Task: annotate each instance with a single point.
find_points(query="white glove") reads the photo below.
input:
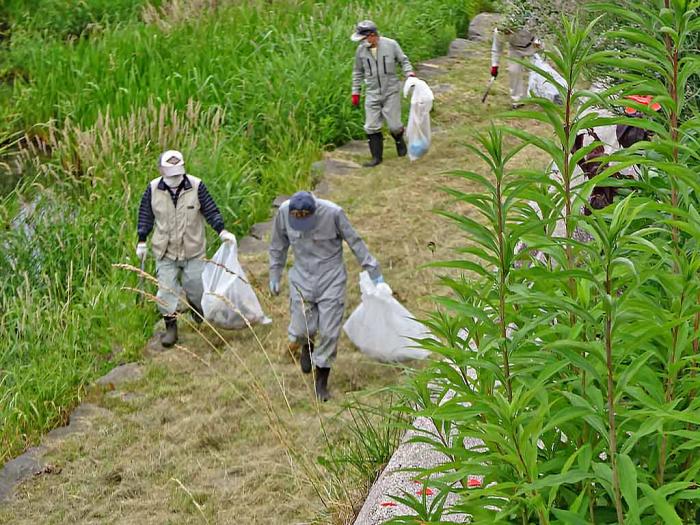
(141, 251)
(227, 236)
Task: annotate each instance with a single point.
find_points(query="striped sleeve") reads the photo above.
(209, 209)
(146, 217)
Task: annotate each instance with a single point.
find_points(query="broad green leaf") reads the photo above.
(628, 486)
(566, 517)
(663, 508)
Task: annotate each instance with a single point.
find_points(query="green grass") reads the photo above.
(251, 93)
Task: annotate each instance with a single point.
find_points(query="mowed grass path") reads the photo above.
(230, 432)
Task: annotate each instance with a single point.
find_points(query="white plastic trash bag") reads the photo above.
(382, 328)
(418, 129)
(228, 300)
(541, 87)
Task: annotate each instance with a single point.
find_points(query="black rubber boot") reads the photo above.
(169, 337)
(305, 359)
(322, 384)
(376, 148)
(401, 148)
(197, 313)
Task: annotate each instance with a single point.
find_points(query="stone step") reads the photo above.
(121, 374)
(252, 246)
(482, 25)
(280, 200)
(460, 48)
(354, 147)
(261, 230)
(331, 166)
(23, 467)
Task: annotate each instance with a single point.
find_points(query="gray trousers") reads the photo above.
(323, 315)
(518, 75)
(176, 276)
(383, 109)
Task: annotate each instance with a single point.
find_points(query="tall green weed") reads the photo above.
(571, 366)
(70, 18)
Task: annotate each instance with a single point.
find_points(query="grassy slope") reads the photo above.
(63, 313)
(199, 419)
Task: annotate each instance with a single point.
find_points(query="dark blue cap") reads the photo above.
(302, 211)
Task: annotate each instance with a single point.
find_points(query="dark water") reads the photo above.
(10, 174)
(8, 181)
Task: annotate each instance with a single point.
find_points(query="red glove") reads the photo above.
(411, 74)
(494, 71)
(355, 99)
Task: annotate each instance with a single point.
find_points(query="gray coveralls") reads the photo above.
(317, 278)
(382, 84)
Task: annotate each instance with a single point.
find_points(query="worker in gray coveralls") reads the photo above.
(376, 61)
(315, 229)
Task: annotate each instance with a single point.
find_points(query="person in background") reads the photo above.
(520, 20)
(377, 60)
(315, 229)
(522, 44)
(176, 205)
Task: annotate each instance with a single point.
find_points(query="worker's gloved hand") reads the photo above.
(227, 236)
(355, 99)
(494, 71)
(141, 251)
(411, 74)
(274, 287)
(378, 279)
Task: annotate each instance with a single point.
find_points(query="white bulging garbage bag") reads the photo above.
(418, 129)
(382, 328)
(541, 87)
(228, 300)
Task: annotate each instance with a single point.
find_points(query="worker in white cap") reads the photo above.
(175, 206)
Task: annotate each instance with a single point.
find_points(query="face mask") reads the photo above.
(172, 181)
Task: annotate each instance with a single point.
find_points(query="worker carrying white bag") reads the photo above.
(229, 301)
(541, 87)
(381, 327)
(418, 129)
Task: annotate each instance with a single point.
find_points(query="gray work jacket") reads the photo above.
(522, 43)
(380, 74)
(318, 253)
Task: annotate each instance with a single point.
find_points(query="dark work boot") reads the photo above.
(401, 148)
(169, 337)
(197, 313)
(322, 384)
(305, 360)
(376, 148)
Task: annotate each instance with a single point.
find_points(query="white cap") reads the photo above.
(171, 163)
